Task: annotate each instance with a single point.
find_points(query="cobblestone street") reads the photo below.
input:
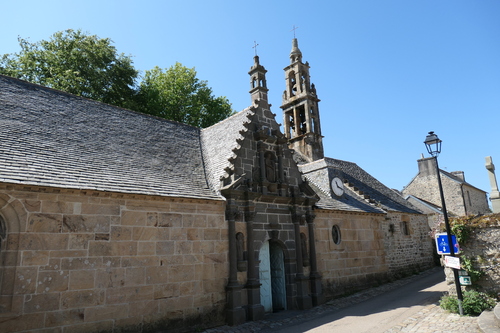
(434, 319)
(430, 319)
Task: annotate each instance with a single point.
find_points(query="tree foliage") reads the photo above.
(89, 66)
(77, 63)
(177, 94)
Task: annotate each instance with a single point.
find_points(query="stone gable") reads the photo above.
(461, 197)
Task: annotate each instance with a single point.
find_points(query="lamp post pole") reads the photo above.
(433, 145)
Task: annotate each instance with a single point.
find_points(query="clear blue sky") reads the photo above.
(386, 71)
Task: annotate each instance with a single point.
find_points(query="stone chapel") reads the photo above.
(112, 220)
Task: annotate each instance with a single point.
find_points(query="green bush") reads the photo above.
(468, 264)
(473, 304)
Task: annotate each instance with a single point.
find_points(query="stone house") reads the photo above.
(111, 220)
(461, 197)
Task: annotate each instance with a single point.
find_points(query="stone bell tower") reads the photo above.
(300, 110)
(258, 85)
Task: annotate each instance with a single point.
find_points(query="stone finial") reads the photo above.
(295, 54)
(494, 195)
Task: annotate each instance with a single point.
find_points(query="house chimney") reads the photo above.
(459, 174)
(427, 166)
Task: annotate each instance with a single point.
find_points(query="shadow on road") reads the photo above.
(379, 311)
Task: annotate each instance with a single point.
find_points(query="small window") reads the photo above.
(405, 230)
(336, 237)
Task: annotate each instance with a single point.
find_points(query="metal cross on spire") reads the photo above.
(294, 28)
(255, 47)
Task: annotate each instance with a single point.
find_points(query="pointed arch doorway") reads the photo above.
(272, 277)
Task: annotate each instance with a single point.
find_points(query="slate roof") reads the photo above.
(427, 204)
(348, 202)
(322, 171)
(221, 142)
(458, 179)
(51, 138)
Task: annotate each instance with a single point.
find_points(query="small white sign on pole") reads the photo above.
(465, 280)
(452, 262)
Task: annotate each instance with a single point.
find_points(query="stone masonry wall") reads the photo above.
(484, 249)
(426, 187)
(408, 249)
(457, 200)
(358, 261)
(475, 201)
(85, 261)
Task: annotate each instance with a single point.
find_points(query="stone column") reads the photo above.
(307, 113)
(303, 299)
(255, 309)
(315, 278)
(296, 122)
(235, 314)
(287, 125)
(494, 195)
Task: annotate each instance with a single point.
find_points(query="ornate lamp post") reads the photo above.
(433, 145)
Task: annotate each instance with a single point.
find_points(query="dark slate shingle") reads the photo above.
(51, 138)
(220, 143)
(383, 196)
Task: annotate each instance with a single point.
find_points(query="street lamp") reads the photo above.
(433, 145)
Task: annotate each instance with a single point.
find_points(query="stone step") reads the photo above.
(489, 321)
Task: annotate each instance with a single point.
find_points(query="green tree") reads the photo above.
(77, 63)
(176, 94)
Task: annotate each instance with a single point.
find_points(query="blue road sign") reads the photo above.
(442, 245)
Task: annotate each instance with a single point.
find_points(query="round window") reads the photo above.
(336, 234)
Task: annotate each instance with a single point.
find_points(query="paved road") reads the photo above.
(407, 305)
(380, 313)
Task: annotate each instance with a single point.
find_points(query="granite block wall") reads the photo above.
(357, 259)
(83, 261)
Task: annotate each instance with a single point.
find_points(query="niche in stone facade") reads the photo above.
(303, 247)
(270, 163)
(241, 253)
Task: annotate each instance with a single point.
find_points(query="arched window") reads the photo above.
(292, 84)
